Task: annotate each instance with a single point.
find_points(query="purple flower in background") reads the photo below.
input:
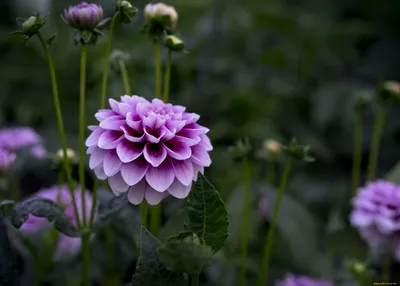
(376, 214)
(66, 245)
(293, 280)
(150, 149)
(84, 16)
(6, 159)
(264, 209)
(16, 138)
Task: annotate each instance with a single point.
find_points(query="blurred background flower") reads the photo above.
(292, 280)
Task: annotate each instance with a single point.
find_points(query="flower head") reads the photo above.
(70, 155)
(376, 214)
(150, 149)
(16, 138)
(6, 159)
(126, 10)
(84, 16)
(160, 17)
(61, 195)
(292, 280)
(30, 26)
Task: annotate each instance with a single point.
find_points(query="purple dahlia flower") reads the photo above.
(292, 280)
(150, 149)
(84, 16)
(6, 159)
(16, 138)
(66, 244)
(376, 214)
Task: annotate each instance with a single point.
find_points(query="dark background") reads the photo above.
(262, 69)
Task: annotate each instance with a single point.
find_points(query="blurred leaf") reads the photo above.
(7, 274)
(6, 202)
(183, 253)
(48, 209)
(207, 214)
(346, 242)
(173, 225)
(113, 206)
(394, 174)
(150, 271)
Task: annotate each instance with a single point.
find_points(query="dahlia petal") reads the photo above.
(96, 158)
(128, 151)
(135, 124)
(131, 136)
(90, 149)
(112, 122)
(92, 127)
(153, 121)
(134, 172)
(157, 102)
(197, 169)
(155, 154)
(152, 196)
(196, 129)
(111, 163)
(190, 141)
(142, 108)
(178, 150)
(94, 137)
(124, 108)
(110, 140)
(361, 219)
(183, 171)
(114, 105)
(178, 109)
(200, 156)
(117, 184)
(99, 172)
(136, 193)
(160, 178)
(103, 114)
(205, 143)
(175, 125)
(178, 190)
(190, 117)
(151, 138)
(167, 134)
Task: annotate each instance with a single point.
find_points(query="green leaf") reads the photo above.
(86, 36)
(149, 270)
(207, 214)
(51, 39)
(7, 273)
(48, 209)
(183, 253)
(394, 174)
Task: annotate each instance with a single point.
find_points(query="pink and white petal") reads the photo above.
(103, 114)
(200, 156)
(152, 196)
(152, 136)
(155, 154)
(112, 123)
(191, 117)
(175, 125)
(99, 172)
(114, 105)
(92, 127)
(143, 108)
(110, 140)
(133, 172)
(205, 143)
(94, 137)
(178, 190)
(134, 122)
(136, 192)
(178, 149)
(188, 141)
(117, 184)
(111, 163)
(125, 108)
(167, 134)
(132, 135)
(128, 151)
(183, 171)
(160, 178)
(90, 149)
(97, 157)
(197, 169)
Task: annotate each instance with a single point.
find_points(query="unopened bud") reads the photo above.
(389, 89)
(161, 14)
(71, 155)
(126, 10)
(83, 16)
(363, 100)
(174, 43)
(241, 149)
(31, 26)
(273, 147)
(300, 152)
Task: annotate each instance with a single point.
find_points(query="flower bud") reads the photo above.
(174, 43)
(126, 11)
(299, 152)
(31, 26)
(71, 155)
(389, 89)
(241, 149)
(273, 147)
(363, 100)
(83, 16)
(161, 14)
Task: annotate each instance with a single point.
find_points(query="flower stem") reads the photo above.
(82, 130)
(125, 78)
(157, 65)
(167, 77)
(271, 173)
(106, 62)
(271, 232)
(194, 280)
(143, 213)
(376, 139)
(60, 123)
(386, 270)
(358, 129)
(246, 210)
(94, 202)
(85, 259)
(155, 218)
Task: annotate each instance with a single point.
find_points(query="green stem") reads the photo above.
(376, 139)
(125, 78)
(157, 65)
(143, 213)
(271, 173)
(271, 232)
(167, 77)
(246, 210)
(106, 62)
(60, 123)
(85, 259)
(109, 251)
(94, 202)
(82, 129)
(155, 218)
(358, 129)
(386, 270)
(195, 280)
